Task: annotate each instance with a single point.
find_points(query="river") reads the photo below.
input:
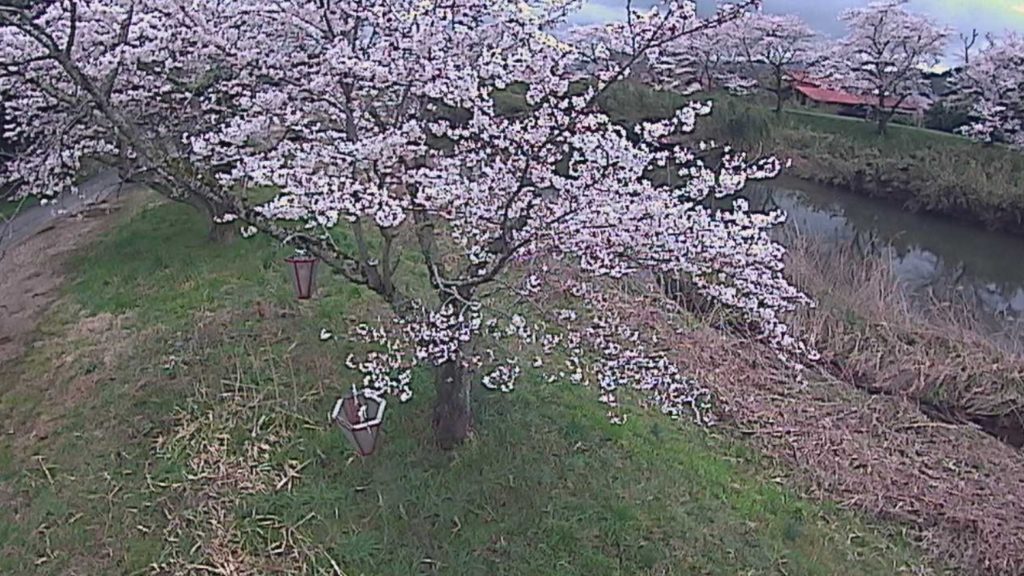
(927, 250)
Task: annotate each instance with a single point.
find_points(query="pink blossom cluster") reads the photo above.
(995, 82)
(79, 79)
(605, 348)
(440, 335)
(385, 367)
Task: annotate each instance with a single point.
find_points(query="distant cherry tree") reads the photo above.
(994, 80)
(884, 53)
(709, 58)
(373, 127)
(781, 45)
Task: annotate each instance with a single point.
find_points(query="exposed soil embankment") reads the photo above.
(32, 270)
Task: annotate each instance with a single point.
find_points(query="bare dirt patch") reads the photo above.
(85, 356)
(32, 271)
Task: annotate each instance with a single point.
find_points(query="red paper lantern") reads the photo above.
(304, 272)
(359, 415)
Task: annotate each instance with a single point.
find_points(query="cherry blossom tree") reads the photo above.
(995, 81)
(706, 59)
(6, 146)
(703, 58)
(594, 44)
(781, 44)
(376, 122)
(884, 52)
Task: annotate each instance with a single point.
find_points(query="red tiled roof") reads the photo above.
(827, 96)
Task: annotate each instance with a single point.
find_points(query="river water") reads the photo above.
(927, 250)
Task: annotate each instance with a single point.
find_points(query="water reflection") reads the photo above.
(927, 250)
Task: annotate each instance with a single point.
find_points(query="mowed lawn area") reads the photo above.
(171, 418)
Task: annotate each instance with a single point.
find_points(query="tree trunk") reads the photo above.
(883, 116)
(453, 416)
(778, 91)
(883, 123)
(219, 233)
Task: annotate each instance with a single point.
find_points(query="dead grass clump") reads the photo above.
(229, 437)
(870, 334)
(958, 489)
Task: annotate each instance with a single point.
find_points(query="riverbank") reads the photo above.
(938, 353)
(913, 414)
(927, 252)
(921, 170)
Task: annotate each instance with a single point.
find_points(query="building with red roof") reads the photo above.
(810, 91)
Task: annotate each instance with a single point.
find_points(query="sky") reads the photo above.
(995, 16)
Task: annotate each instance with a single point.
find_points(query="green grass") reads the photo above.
(897, 136)
(922, 169)
(10, 208)
(217, 353)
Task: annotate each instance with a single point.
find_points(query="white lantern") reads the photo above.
(359, 414)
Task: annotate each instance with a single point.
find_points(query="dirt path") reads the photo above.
(34, 248)
(101, 188)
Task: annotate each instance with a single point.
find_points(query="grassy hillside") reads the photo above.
(171, 420)
(923, 169)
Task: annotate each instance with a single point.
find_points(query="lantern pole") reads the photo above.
(360, 409)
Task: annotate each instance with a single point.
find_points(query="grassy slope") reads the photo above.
(8, 209)
(546, 487)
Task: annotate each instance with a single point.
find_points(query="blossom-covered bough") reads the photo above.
(994, 79)
(376, 121)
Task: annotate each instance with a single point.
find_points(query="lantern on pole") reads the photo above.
(359, 414)
(304, 274)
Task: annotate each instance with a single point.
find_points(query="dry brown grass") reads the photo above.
(958, 491)
(223, 467)
(872, 335)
